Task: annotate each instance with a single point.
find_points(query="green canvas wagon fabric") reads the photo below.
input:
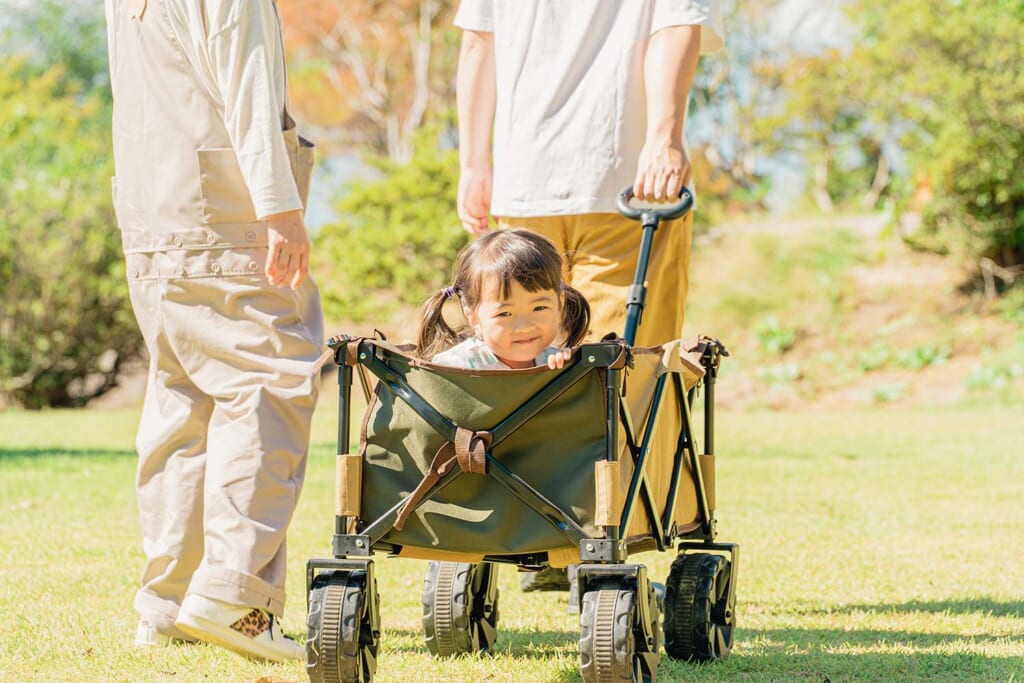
(555, 450)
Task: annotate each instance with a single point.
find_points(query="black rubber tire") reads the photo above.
(341, 646)
(460, 608)
(698, 619)
(607, 639)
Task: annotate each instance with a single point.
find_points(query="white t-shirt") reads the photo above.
(571, 112)
(473, 354)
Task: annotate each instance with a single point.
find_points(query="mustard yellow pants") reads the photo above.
(601, 251)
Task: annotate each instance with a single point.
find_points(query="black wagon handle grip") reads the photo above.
(660, 213)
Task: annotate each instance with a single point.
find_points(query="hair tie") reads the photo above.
(448, 292)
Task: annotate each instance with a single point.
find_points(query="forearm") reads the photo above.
(669, 66)
(476, 97)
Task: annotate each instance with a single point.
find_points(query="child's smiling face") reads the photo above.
(517, 328)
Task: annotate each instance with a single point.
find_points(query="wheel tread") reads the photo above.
(695, 585)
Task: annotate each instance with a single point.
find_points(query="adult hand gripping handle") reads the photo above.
(654, 214)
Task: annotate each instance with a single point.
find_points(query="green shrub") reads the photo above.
(1011, 305)
(775, 337)
(949, 75)
(890, 392)
(396, 240)
(874, 357)
(65, 320)
(922, 356)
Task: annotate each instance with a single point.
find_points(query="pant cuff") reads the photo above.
(236, 588)
(160, 613)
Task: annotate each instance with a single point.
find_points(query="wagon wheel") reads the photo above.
(460, 607)
(698, 617)
(608, 625)
(341, 641)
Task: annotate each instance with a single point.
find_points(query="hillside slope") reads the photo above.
(834, 312)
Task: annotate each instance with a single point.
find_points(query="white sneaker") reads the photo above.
(148, 636)
(246, 630)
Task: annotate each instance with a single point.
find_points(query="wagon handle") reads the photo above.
(654, 214)
(649, 218)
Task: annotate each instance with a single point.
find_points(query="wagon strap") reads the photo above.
(468, 451)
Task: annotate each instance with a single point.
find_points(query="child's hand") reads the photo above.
(558, 358)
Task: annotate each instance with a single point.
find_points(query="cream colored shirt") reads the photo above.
(571, 112)
(235, 49)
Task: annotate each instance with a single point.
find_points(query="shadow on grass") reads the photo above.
(54, 451)
(521, 643)
(978, 606)
(827, 667)
(820, 639)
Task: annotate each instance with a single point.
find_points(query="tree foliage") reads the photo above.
(941, 83)
(50, 33)
(397, 236)
(827, 122)
(950, 74)
(732, 91)
(66, 322)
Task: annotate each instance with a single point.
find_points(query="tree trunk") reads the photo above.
(878, 184)
(820, 190)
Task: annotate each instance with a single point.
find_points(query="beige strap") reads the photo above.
(469, 452)
(318, 365)
(608, 498)
(348, 485)
(351, 348)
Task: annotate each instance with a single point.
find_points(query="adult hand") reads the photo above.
(287, 249)
(474, 198)
(662, 172)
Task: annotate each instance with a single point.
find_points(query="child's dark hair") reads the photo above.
(509, 256)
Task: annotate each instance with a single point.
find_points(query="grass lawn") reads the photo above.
(877, 545)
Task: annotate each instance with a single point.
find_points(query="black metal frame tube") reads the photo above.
(344, 423)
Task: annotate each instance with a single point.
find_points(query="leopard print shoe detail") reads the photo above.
(252, 624)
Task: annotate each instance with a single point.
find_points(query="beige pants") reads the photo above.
(224, 434)
(601, 252)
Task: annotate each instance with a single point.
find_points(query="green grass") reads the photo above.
(877, 545)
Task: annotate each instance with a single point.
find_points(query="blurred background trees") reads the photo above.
(371, 74)
(911, 108)
(66, 326)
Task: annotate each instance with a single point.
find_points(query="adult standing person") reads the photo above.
(211, 180)
(583, 99)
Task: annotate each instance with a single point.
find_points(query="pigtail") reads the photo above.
(435, 334)
(575, 316)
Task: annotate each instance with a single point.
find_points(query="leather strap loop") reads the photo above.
(469, 452)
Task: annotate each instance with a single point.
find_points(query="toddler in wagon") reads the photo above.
(520, 312)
